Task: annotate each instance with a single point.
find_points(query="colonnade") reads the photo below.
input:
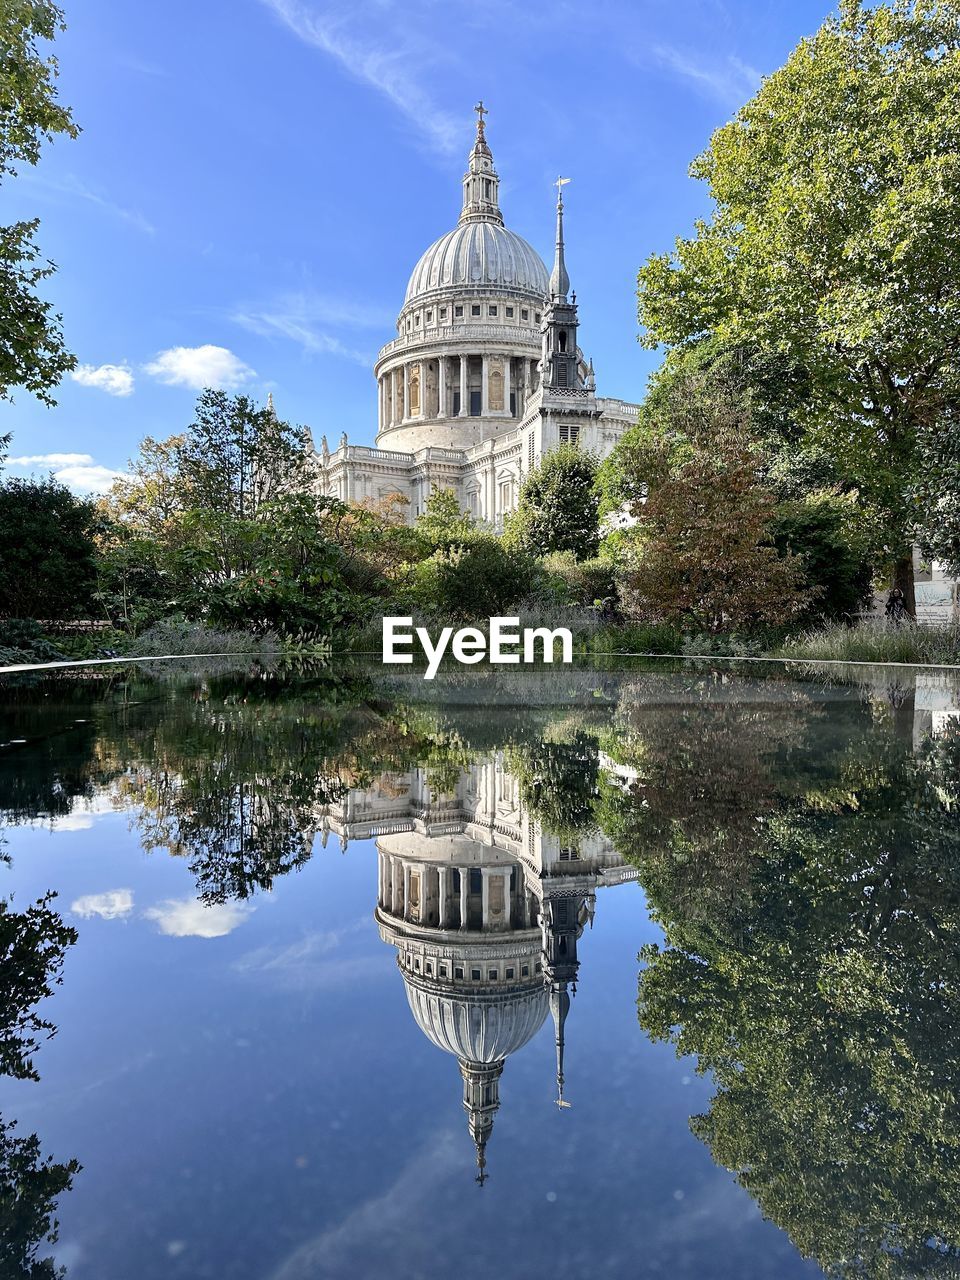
(403, 390)
(426, 893)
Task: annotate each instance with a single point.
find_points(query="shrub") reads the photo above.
(580, 582)
(480, 578)
(877, 641)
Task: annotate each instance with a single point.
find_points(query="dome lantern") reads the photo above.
(481, 183)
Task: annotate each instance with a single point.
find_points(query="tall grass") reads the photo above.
(877, 641)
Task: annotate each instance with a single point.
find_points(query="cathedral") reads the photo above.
(485, 375)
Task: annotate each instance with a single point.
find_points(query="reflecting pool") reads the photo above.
(642, 973)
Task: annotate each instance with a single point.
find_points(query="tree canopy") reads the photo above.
(32, 350)
(833, 239)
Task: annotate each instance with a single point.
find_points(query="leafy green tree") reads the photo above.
(813, 971)
(47, 550)
(836, 196)
(826, 532)
(30, 1184)
(937, 489)
(700, 554)
(32, 351)
(235, 457)
(557, 508)
(33, 946)
(442, 524)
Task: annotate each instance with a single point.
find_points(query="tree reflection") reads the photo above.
(33, 944)
(811, 964)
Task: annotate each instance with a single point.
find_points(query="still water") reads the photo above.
(603, 974)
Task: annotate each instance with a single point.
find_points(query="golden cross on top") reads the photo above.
(481, 111)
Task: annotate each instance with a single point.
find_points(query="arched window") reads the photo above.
(563, 340)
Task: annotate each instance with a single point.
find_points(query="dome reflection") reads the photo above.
(485, 910)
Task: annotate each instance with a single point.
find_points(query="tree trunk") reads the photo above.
(903, 578)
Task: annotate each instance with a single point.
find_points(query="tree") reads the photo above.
(700, 554)
(33, 946)
(837, 197)
(816, 979)
(47, 550)
(826, 532)
(557, 506)
(32, 351)
(234, 457)
(442, 524)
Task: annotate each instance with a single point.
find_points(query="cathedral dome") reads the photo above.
(479, 254)
(478, 1027)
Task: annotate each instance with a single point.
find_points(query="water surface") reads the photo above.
(616, 974)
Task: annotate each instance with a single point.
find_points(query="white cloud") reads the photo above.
(188, 918)
(115, 379)
(730, 80)
(78, 471)
(199, 367)
(394, 68)
(112, 905)
(87, 479)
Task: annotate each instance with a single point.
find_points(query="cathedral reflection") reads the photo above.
(486, 911)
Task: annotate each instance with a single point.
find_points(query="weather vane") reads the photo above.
(560, 184)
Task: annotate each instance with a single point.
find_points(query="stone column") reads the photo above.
(464, 393)
(395, 398)
(484, 389)
(442, 873)
(507, 904)
(441, 386)
(506, 386)
(464, 890)
(394, 884)
(406, 891)
(406, 393)
(485, 899)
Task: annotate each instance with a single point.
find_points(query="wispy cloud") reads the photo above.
(394, 68)
(73, 187)
(199, 367)
(79, 472)
(728, 79)
(115, 379)
(49, 460)
(307, 319)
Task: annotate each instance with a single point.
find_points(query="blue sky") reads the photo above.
(256, 179)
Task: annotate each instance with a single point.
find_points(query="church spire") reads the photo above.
(559, 1007)
(481, 183)
(559, 280)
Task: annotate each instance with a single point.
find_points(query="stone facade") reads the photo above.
(484, 376)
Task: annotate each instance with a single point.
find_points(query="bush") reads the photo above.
(478, 579)
(180, 637)
(877, 641)
(21, 640)
(579, 582)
